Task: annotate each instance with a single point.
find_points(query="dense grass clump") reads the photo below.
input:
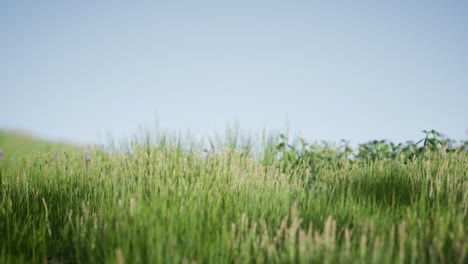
(163, 204)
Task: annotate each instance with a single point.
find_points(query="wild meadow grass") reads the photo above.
(163, 204)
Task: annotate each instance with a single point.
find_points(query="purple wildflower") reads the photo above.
(1, 153)
(86, 155)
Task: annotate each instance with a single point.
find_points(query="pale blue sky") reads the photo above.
(357, 70)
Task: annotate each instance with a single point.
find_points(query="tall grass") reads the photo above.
(162, 203)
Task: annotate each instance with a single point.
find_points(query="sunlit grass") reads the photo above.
(167, 204)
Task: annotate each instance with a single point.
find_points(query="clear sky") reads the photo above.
(358, 70)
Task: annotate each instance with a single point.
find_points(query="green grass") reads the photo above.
(162, 204)
(17, 144)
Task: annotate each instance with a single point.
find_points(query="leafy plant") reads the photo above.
(313, 154)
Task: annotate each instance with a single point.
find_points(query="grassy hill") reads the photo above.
(14, 143)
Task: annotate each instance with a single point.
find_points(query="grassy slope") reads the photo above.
(163, 205)
(15, 143)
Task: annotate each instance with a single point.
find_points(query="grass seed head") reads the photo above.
(119, 256)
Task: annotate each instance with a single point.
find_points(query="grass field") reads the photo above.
(162, 204)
